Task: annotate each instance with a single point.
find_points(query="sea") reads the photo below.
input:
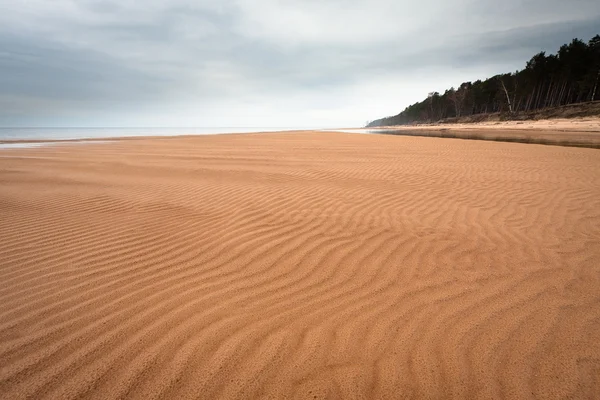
(7, 134)
(27, 137)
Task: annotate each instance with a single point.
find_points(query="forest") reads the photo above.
(570, 76)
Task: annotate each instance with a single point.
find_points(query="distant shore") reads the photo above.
(579, 132)
(60, 134)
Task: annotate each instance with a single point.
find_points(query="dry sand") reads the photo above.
(305, 265)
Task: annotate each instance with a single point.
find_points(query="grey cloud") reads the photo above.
(522, 43)
(102, 54)
(30, 68)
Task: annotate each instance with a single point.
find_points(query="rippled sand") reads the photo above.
(300, 265)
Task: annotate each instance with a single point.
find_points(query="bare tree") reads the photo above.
(510, 108)
(595, 86)
(430, 98)
(458, 97)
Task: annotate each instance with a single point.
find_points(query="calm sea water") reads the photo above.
(95, 133)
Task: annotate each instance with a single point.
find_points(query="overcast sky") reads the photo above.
(286, 63)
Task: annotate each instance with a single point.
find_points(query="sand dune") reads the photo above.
(305, 265)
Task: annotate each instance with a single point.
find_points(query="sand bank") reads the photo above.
(300, 265)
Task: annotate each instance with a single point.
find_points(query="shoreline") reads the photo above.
(49, 142)
(584, 132)
(135, 133)
(588, 124)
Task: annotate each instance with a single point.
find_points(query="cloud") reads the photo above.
(260, 62)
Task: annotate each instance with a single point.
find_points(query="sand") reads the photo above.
(300, 265)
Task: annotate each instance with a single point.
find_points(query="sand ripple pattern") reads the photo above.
(306, 265)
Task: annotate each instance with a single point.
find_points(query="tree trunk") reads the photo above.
(531, 100)
(567, 94)
(544, 99)
(563, 96)
(551, 90)
(595, 86)
(518, 104)
(555, 95)
(538, 97)
(507, 96)
(558, 95)
(568, 98)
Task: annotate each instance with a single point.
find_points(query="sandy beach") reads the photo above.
(305, 265)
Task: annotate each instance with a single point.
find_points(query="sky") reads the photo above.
(260, 63)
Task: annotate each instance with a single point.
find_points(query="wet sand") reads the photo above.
(578, 132)
(299, 265)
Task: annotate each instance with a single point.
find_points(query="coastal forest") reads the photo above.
(570, 76)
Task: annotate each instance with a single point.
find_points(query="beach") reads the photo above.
(304, 265)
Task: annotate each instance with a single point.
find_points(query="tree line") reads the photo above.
(570, 76)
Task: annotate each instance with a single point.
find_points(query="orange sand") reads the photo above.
(304, 265)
